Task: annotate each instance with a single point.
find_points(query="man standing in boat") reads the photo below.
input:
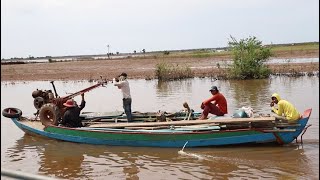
(217, 104)
(71, 116)
(123, 84)
(285, 110)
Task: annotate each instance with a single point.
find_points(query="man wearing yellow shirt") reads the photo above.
(285, 110)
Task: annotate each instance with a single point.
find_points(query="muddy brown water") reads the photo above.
(82, 161)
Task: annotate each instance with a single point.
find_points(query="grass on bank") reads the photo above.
(168, 71)
(248, 55)
(227, 52)
(295, 47)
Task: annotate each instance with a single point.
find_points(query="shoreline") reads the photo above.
(140, 67)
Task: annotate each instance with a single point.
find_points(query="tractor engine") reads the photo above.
(42, 97)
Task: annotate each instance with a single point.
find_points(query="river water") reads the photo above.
(67, 160)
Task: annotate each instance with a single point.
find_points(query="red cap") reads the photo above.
(69, 103)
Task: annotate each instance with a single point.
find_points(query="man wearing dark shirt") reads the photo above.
(71, 116)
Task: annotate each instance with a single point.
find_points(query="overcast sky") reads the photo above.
(83, 27)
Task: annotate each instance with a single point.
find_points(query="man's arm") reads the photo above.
(119, 83)
(213, 98)
(83, 102)
(278, 111)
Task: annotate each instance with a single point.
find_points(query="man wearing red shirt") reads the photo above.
(217, 107)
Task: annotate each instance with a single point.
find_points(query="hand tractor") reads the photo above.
(50, 109)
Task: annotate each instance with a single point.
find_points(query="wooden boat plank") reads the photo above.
(208, 128)
(124, 119)
(287, 125)
(105, 121)
(280, 130)
(32, 123)
(147, 128)
(91, 115)
(184, 122)
(179, 128)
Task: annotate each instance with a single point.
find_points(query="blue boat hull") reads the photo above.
(167, 139)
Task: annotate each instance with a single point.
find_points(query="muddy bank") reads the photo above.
(137, 68)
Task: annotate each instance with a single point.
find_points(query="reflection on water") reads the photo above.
(57, 159)
(251, 93)
(81, 161)
(65, 160)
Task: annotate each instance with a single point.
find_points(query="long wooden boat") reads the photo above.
(191, 133)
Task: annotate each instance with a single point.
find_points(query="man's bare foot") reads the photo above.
(202, 118)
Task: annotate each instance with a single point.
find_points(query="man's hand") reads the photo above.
(202, 106)
(271, 104)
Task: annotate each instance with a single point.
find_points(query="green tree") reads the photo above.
(249, 56)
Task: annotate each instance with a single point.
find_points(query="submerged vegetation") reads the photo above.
(168, 71)
(248, 58)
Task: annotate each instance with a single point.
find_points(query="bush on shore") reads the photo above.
(249, 56)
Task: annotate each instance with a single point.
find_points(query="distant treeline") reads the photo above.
(145, 52)
(293, 44)
(12, 62)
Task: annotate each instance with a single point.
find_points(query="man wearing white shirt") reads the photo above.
(123, 84)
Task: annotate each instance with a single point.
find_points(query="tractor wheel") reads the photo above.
(12, 112)
(49, 114)
(38, 102)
